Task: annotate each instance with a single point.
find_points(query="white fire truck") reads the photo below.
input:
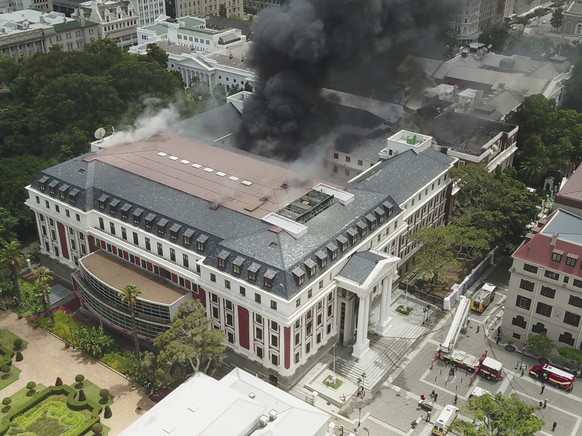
(485, 366)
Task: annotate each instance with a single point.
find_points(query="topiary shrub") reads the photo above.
(30, 385)
(104, 394)
(5, 371)
(107, 412)
(59, 382)
(17, 344)
(82, 396)
(79, 379)
(6, 403)
(97, 428)
(19, 356)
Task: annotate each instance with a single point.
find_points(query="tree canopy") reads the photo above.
(190, 344)
(539, 344)
(557, 18)
(499, 415)
(53, 102)
(496, 36)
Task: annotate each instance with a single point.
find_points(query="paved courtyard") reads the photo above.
(46, 358)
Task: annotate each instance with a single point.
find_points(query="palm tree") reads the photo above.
(11, 254)
(129, 294)
(43, 276)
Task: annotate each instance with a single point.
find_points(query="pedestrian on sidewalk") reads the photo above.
(545, 403)
(554, 425)
(543, 387)
(522, 371)
(435, 397)
(456, 399)
(478, 327)
(433, 394)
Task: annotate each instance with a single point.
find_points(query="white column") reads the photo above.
(384, 320)
(362, 344)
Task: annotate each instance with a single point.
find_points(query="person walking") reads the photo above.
(456, 399)
(554, 425)
(435, 397)
(545, 403)
(543, 387)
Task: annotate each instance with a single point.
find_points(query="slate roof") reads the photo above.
(571, 192)
(360, 265)
(396, 173)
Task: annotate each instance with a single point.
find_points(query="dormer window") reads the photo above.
(63, 191)
(571, 259)
(137, 216)
(149, 221)
(102, 200)
(174, 230)
(42, 183)
(299, 276)
(332, 251)
(311, 267)
(237, 265)
(201, 243)
(269, 277)
(322, 259)
(73, 196)
(388, 208)
(113, 205)
(53, 187)
(253, 270)
(162, 226)
(343, 242)
(371, 220)
(353, 235)
(187, 237)
(125, 211)
(381, 214)
(222, 258)
(362, 228)
(557, 255)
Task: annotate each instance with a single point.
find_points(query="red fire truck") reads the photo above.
(555, 376)
(485, 366)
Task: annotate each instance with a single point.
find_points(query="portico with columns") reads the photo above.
(364, 276)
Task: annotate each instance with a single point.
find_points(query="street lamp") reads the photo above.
(359, 416)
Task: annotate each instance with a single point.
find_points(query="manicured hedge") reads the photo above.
(6, 355)
(72, 403)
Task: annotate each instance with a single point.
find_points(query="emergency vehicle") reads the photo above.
(483, 298)
(485, 366)
(555, 376)
(445, 419)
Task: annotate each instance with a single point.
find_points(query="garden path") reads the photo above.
(46, 358)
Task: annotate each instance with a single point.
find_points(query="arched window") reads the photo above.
(578, 30)
(566, 338)
(539, 328)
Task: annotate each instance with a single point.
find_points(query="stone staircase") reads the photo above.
(385, 355)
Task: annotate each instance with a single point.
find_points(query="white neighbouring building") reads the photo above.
(240, 404)
(286, 265)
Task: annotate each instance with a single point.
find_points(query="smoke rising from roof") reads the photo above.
(297, 46)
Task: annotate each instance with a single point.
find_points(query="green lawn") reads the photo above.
(13, 376)
(7, 339)
(92, 392)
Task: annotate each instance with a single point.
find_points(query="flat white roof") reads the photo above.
(493, 364)
(232, 406)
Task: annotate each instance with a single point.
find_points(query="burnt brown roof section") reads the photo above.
(116, 274)
(244, 184)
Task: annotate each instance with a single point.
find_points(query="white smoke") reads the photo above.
(146, 126)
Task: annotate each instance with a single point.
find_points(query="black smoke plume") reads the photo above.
(296, 48)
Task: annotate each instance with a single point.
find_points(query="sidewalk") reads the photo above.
(46, 358)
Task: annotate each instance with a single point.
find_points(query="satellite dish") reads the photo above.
(99, 133)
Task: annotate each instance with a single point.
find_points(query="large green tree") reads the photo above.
(496, 36)
(190, 344)
(129, 295)
(494, 202)
(557, 18)
(496, 415)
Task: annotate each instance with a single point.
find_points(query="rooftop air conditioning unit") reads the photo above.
(263, 420)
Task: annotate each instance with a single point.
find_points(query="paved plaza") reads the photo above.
(46, 358)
